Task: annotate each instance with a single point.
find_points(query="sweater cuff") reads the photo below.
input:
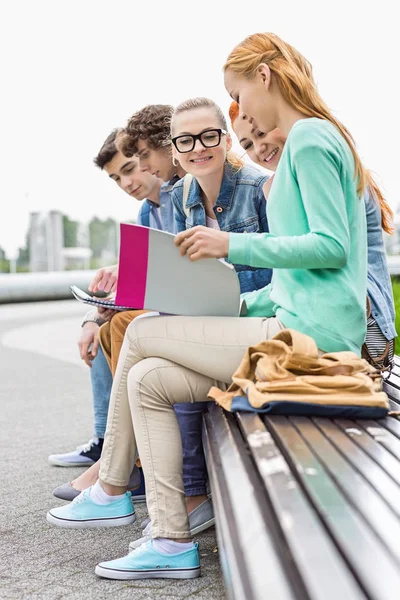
(239, 249)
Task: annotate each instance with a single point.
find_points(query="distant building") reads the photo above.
(46, 244)
(46, 241)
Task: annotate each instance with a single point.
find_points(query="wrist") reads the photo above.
(93, 319)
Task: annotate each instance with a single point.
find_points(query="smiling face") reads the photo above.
(263, 149)
(254, 96)
(127, 174)
(201, 161)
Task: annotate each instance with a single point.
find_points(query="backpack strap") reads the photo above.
(187, 180)
(145, 214)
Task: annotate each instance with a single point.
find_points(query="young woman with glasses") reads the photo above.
(224, 193)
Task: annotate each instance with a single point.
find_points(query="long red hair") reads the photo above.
(294, 77)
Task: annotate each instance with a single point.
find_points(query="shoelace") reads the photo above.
(141, 548)
(146, 538)
(87, 447)
(147, 530)
(82, 496)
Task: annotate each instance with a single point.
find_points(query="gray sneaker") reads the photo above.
(200, 519)
(67, 492)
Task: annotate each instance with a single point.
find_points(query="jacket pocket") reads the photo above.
(251, 225)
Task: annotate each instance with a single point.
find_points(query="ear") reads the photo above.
(175, 153)
(264, 72)
(228, 142)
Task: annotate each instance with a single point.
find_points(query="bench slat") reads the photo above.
(391, 424)
(370, 560)
(372, 473)
(249, 558)
(393, 391)
(367, 436)
(381, 432)
(324, 572)
(359, 492)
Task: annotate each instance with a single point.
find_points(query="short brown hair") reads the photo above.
(152, 124)
(107, 151)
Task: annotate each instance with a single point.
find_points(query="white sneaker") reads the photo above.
(83, 456)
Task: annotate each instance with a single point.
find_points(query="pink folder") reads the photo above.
(154, 276)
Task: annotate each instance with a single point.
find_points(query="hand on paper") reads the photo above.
(203, 242)
(88, 342)
(105, 280)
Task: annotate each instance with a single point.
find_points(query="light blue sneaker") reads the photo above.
(200, 519)
(83, 512)
(147, 563)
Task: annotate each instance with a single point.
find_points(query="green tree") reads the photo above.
(103, 237)
(70, 232)
(4, 262)
(24, 256)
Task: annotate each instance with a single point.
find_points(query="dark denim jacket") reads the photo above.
(240, 208)
(379, 285)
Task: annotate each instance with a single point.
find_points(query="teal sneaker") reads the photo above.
(83, 512)
(200, 519)
(147, 563)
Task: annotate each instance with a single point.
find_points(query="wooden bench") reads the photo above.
(307, 508)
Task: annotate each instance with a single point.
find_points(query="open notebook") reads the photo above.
(154, 276)
(93, 301)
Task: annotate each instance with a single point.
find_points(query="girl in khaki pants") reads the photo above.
(163, 361)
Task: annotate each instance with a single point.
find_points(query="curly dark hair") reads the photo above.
(108, 150)
(152, 123)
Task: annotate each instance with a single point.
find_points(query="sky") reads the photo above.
(71, 71)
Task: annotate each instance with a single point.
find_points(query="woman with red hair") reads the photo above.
(378, 348)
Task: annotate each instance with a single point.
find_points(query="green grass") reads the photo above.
(396, 295)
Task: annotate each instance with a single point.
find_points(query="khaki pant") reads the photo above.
(163, 361)
(112, 334)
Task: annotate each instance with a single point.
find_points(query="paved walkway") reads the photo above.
(46, 408)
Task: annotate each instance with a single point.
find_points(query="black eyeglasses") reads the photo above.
(209, 139)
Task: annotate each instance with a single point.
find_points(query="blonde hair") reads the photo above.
(293, 74)
(235, 161)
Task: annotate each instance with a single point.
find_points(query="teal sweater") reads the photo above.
(317, 243)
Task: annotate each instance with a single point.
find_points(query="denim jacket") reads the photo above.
(161, 217)
(240, 208)
(379, 285)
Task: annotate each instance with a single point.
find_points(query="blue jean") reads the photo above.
(190, 419)
(101, 379)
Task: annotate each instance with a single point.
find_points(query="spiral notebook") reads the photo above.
(93, 301)
(154, 276)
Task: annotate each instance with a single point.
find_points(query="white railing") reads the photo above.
(54, 285)
(27, 287)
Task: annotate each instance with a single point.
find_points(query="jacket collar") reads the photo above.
(168, 185)
(226, 192)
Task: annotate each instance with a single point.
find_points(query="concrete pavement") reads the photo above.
(46, 408)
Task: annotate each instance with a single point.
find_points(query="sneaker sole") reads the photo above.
(203, 526)
(89, 523)
(59, 463)
(148, 573)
